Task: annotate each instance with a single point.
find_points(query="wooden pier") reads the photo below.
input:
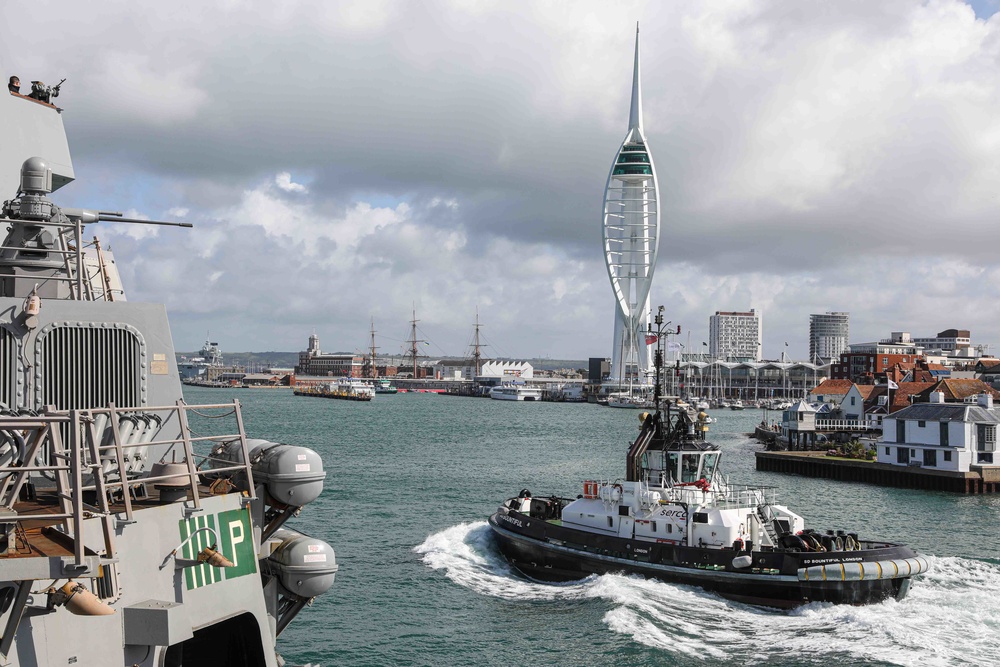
(818, 464)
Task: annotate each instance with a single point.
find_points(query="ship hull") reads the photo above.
(546, 551)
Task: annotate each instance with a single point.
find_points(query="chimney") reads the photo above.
(985, 400)
(937, 397)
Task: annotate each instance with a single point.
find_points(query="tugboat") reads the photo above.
(135, 529)
(675, 517)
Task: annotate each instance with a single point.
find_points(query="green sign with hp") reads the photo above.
(235, 542)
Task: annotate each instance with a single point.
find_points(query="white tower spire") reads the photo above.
(631, 237)
(635, 111)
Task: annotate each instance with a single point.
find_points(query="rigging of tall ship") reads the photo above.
(127, 538)
(675, 517)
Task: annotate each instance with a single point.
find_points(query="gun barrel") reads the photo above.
(111, 218)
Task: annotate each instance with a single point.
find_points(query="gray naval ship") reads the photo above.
(136, 529)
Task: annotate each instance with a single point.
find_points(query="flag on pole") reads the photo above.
(673, 347)
(651, 338)
(892, 385)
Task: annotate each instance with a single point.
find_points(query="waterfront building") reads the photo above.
(874, 359)
(631, 231)
(828, 335)
(952, 342)
(735, 336)
(959, 437)
(507, 370)
(313, 361)
(830, 391)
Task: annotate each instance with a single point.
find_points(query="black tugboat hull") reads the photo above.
(548, 552)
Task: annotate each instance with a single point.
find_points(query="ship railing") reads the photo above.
(745, 495)
(69, 448)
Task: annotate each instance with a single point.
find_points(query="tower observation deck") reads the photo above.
(631, 227)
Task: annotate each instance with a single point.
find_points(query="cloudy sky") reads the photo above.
(343, 161)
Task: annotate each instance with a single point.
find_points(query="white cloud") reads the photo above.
(284, 182)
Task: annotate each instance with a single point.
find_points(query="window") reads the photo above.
(921, 423)
(653, 526)
(900, 430)
(611, 522)
(930, 457)
(944, 434)
(670, 527)
(987, 437)
(852, 400)
(902, 455)
(887, 451)
(947, 456)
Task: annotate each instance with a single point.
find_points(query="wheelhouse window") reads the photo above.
(689, 469)
(708, 464)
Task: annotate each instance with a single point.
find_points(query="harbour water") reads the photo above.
(412, 478)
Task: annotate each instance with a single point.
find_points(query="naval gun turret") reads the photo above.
(44, 254)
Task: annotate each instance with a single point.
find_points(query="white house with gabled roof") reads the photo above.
(941, 436)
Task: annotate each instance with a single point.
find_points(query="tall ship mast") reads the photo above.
(477, 355)
(127, 538)
(372, 368)
(631, 230)
(414, 342)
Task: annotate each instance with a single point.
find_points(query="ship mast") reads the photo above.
(372, 370)
(477, 356)
(413, 340)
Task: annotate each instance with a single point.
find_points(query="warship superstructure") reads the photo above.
(135, 529)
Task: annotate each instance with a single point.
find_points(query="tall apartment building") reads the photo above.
(735, 336)
(828, 335)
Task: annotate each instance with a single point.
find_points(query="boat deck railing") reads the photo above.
(103, 452)
(744, 495)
